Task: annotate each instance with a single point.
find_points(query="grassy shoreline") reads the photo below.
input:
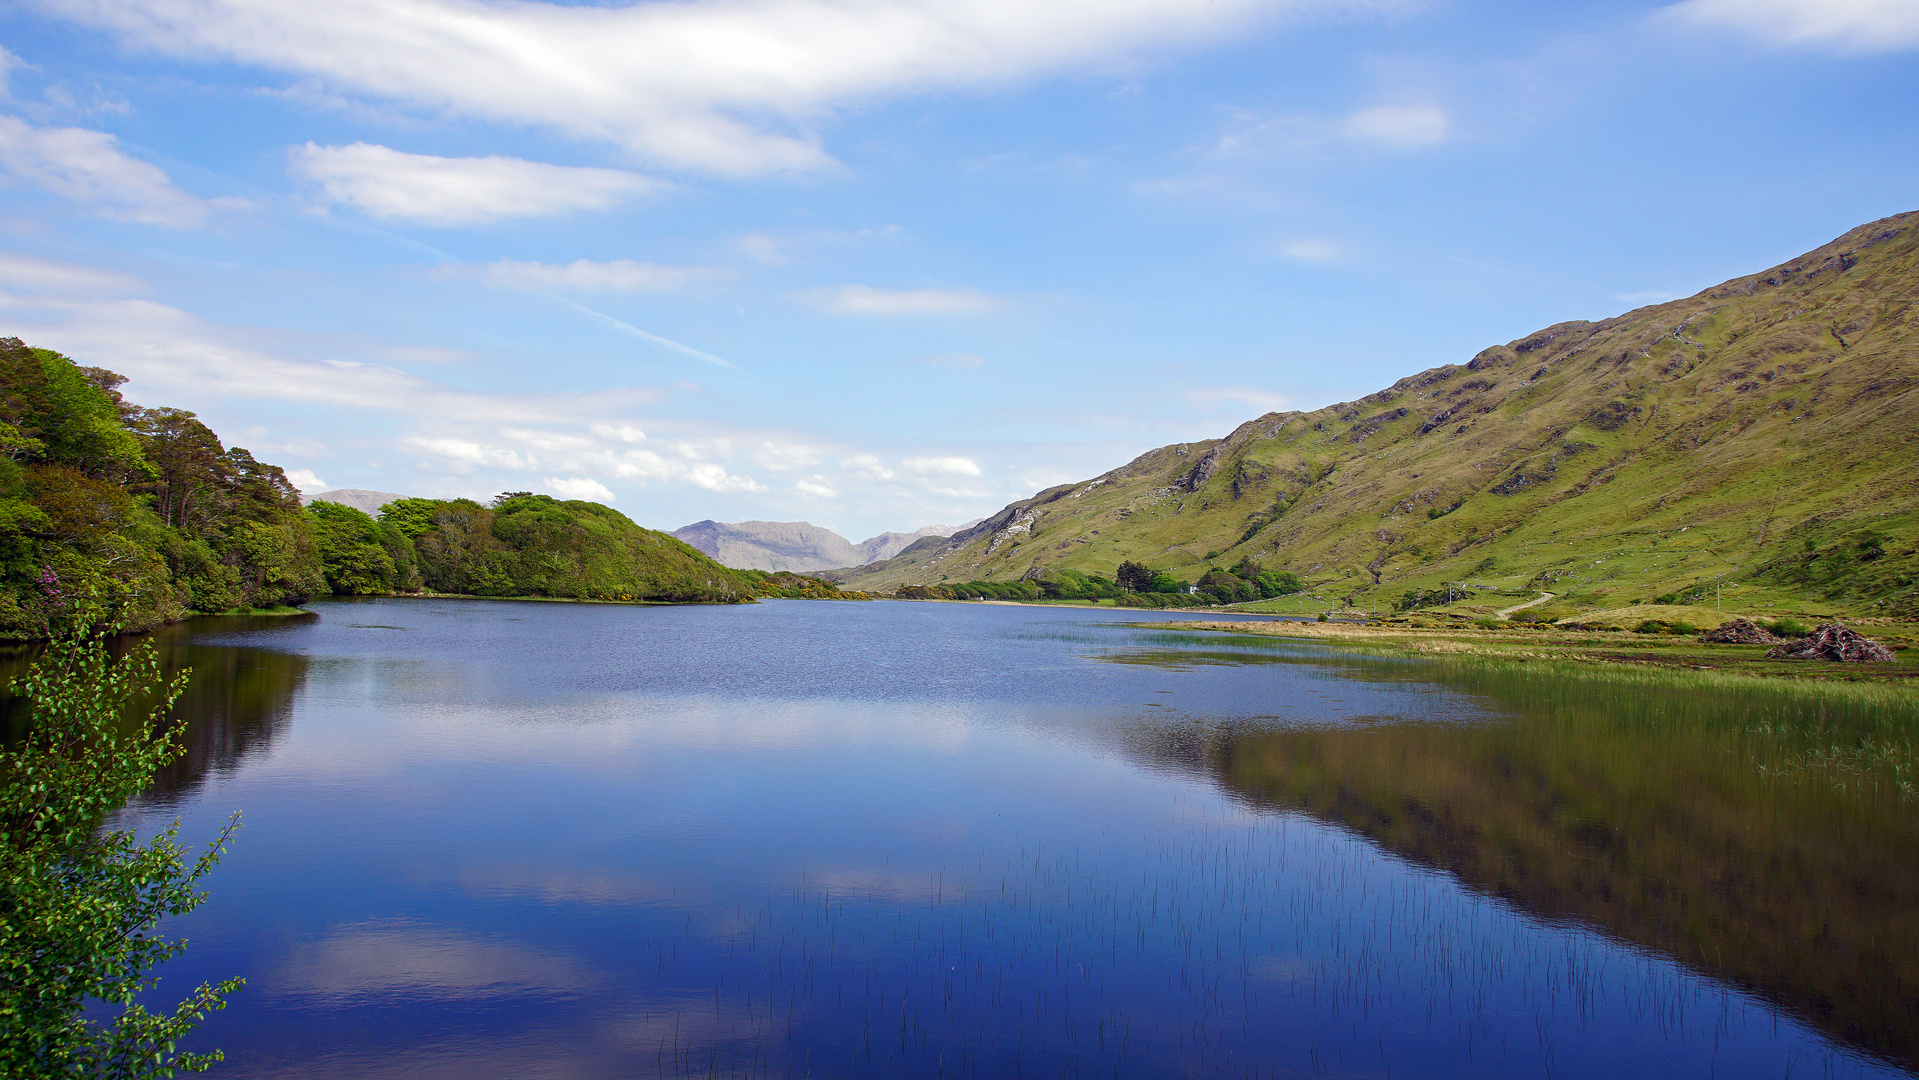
(1592, 654)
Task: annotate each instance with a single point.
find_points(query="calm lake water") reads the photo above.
(489, 839)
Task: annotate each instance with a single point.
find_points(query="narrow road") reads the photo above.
(1543, 597)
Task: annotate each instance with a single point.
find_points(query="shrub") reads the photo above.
(78, 905)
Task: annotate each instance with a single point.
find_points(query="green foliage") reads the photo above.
(536, 545)
(1449, 592)
(1854, 564)
(140, 508)
(1224, 588)
(1665, 626)
(79, 907)
(1074, 585)
(1269, 583)
(1134, 577)
(1787, 628)
(786, 585)
(361, 556)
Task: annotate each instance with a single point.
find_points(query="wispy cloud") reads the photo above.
(428, 190)
(89, 169)
(718, 86)
(32, 274)
(866, 300)
(1316, 251)
(942, 466)
(1397, 126)
(1250, 134)
(952, 360)
(582, 275)
(1856, 26)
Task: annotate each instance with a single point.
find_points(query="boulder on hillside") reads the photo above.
(1833, 642)
(1740, 632)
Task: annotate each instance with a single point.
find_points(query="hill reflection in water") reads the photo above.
(1674, 820)
(836, 839)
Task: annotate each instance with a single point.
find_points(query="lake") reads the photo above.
(501, 839)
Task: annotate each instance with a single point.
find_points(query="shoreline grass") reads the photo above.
(1674, 659)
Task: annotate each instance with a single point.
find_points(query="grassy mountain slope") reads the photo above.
(1759, 431)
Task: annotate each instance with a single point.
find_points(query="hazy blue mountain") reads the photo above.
(798, 546)
(361, 499)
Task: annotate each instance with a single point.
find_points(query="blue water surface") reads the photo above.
(506, 839)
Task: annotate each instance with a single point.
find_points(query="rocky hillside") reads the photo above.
(1758, 433)
(797, 546)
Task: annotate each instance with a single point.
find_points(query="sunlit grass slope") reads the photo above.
(1758, 432)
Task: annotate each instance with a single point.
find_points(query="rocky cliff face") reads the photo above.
(1758, 430)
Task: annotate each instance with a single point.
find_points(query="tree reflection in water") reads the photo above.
(238, 702)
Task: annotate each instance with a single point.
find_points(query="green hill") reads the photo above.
(1758, 434)
(527, 545)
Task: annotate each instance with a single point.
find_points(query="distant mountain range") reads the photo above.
(798, 546)
(1759, 433)
(361, 499)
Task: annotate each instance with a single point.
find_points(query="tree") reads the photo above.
(79, 906)
(1134, 577)
(361, 556)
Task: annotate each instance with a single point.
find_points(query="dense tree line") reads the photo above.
(523, 544)
(141, 510)
(1134, 584)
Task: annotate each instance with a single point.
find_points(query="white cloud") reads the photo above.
(943, 466)
(1859, 26)
(28, 273)
(763, 249)
(582, 275)
(1399, 126)
(1318, 251)
(430, 190)
(866, 300)
(1215, 397)
(579, 487)
(8, 62)
(727, 86)
(306, 481)
(866, 467)
(88, 168)
(953, 360)
(445, 440)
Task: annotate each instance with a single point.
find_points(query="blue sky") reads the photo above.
(878, 264)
